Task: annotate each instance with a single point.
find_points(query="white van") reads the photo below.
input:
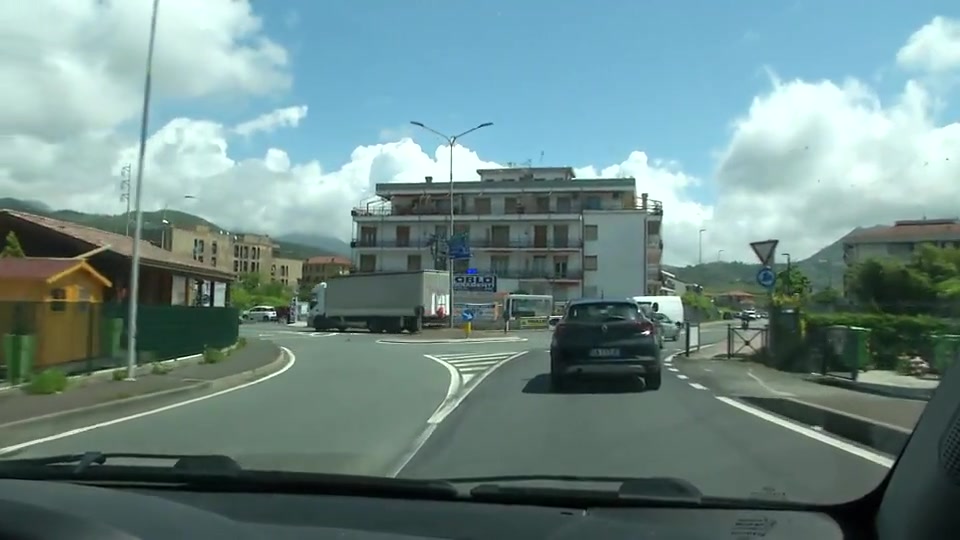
(671, 306)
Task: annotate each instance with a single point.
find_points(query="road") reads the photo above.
(351, 404)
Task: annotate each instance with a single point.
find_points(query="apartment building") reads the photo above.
(536, 230)
(240, 253)
(901, 240)
(318, 269)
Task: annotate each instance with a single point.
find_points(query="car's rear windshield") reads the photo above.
(603, 311)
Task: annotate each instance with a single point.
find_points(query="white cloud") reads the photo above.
(934, 48)
(806, 161)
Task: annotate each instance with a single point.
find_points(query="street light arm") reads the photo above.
(449, 139)
(471, 130)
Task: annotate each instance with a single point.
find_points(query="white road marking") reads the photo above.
(84, 429)
(449, 404)
(698, 386)
(819, 436)
(673, 370)
(682, 377)
(767, 387)
(470, 341)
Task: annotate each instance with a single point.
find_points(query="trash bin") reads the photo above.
(19, 351)
(858, 349)
(946, 350)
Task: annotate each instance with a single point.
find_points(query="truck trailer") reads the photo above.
(380, 302)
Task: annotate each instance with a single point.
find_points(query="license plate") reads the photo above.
(604, 353)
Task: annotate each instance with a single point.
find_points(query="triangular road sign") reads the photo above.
(765, 250)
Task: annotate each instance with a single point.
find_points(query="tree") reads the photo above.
(792, 283)
(924, 285)
(12, 248)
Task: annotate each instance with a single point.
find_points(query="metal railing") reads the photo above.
(507, 274)
(385, 210)
(478, 244)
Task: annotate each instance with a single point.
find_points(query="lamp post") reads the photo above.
(700, 246)
(134, 292)
(451, 142)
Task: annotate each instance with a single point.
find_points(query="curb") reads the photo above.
(879, 436)
(62, 420)
(886, 390)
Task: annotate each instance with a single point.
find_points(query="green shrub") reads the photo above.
(213, 356)
(50, 381)
(891, 336)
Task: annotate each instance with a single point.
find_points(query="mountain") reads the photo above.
(118, 223)
(328, 244)
(824, 268)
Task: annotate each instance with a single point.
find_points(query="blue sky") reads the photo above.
(585, 83)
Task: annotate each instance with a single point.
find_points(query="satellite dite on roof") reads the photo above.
(765, 250)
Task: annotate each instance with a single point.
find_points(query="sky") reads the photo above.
(795, 120)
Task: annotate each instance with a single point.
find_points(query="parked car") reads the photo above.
(262, 314)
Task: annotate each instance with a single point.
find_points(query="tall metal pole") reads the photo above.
(451, 142)
(134, 294)
(125, 196)
(700, 246)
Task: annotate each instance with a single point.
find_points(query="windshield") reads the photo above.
(602, 312)
(456, 174)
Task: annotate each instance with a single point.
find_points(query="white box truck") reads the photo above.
(380, 302)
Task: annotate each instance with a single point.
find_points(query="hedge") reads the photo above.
(890, 335)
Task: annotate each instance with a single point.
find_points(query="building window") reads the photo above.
(368, 263)
(236, 266)
(213, 261)
(236, 251)
(414, 263)
(59, 299)
(590, 262)
(213, 247)
(590, 232)
(500, 265)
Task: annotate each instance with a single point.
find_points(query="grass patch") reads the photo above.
(160, 369)
(50, 381)
(213, 356)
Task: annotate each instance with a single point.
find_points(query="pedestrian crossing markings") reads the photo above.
(472, 363)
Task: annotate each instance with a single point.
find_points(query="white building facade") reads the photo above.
(530, 230)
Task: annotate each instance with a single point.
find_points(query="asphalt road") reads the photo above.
(513, 424)
(347, 405)
(353, 405)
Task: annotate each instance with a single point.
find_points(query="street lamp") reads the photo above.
(719, 255)
(134, 292)
(700, 246)
(451, 142)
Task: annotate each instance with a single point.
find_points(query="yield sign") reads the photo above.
(765, 250)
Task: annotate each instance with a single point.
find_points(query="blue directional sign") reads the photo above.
(766, 277)
(458, 247)
(466, 315)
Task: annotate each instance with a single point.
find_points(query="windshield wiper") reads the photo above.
(81, 462)
(605, 491)
(215, 472)
(667, 491)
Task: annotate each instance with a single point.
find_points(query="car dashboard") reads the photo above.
(60, 510)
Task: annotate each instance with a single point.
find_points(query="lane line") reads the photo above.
(454, 386)
(84, 429)
(698, 386)
(818, 436)
(767, 387)
(682, 377)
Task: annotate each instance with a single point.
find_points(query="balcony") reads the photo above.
(569, 275)
(523, 208)
(570, 244)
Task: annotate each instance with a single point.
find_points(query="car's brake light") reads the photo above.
(647, 328)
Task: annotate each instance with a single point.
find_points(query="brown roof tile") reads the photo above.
(120, 244)
(326, 259)
(909, 232)
(34, 267)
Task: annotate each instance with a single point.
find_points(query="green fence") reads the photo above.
(174, 331)
(78, 337)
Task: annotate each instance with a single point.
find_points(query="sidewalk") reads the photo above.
(96, 392)
(749, 380)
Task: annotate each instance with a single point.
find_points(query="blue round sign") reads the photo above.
(766, 277)
(466, 315)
